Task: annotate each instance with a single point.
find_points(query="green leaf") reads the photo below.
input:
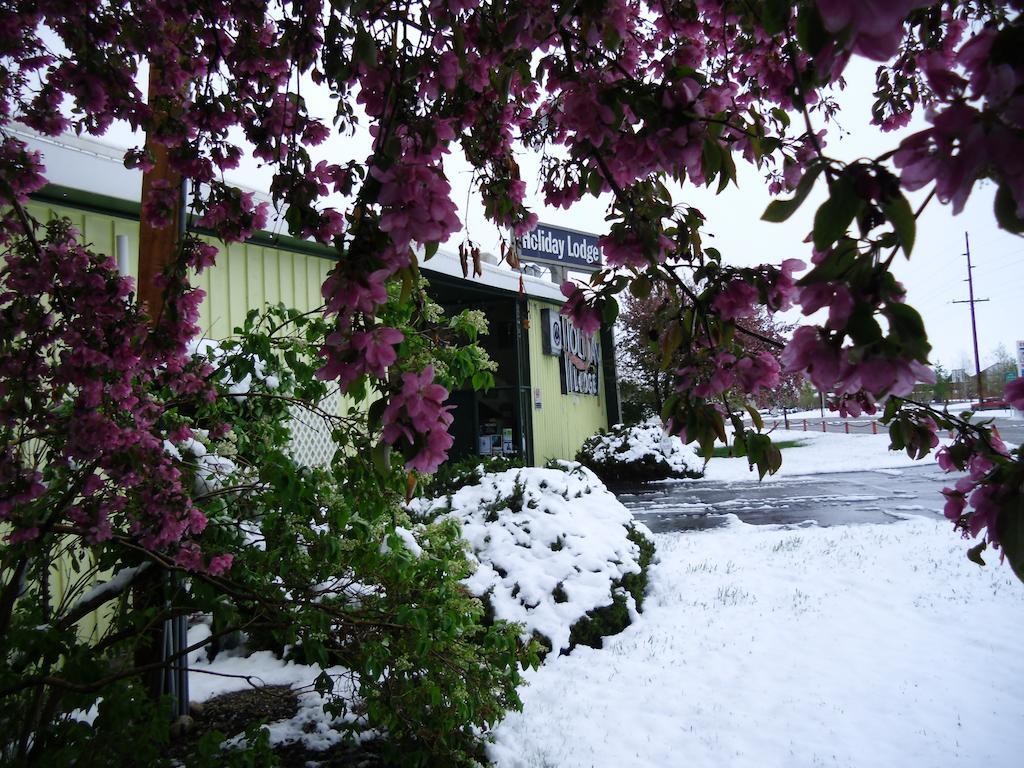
(780, 210)
(673, 340)
(610, 311)
(728, 171)
(711, 160)
(900, 214)
(406, 287)
(974, 553)
(1010, 530)
(619, 284)
(896, 437)
(862, 326)
(810, 30)
(1006, 211)
(718, 422)
(905, 322)
(836, 214)
(429, 250)
(364, 48)
(641, 287)
(381, 459)
(774, 15)
(755, 417)
(375, 413)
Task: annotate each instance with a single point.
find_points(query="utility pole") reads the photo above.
(974, 325)
(158, 248)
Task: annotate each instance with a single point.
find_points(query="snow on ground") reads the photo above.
(239, 671)
(847, 646)
(820, 453)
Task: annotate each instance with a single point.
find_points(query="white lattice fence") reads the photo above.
(312, 445)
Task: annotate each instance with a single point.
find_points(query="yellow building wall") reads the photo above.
(562, 422)
(246, 276)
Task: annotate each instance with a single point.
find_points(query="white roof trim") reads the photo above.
(92, 165)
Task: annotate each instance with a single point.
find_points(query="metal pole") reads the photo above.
(122, 254)
(974, 325)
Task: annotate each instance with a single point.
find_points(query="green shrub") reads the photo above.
(613, 618)
(453, 475)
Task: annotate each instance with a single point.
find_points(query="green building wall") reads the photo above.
(562, 422)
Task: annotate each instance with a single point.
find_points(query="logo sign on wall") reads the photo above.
(560, 247)
(579, 354)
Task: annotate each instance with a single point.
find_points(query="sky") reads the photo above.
(935, 276)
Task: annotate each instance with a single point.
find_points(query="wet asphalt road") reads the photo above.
(844, 498)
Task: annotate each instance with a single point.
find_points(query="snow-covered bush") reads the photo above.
(557, 552)
(639, 453)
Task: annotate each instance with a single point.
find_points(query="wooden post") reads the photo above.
(157, 246)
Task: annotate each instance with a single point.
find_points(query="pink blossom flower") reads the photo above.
(347, 294)
(330, 224)
(955, 504)
(808, 352)
(377, 348)
(416, 200)
(783, 290)
(736, 300)
(584, 315)
(887, 376)
(417, 420)
(758, 372)
(986, 503)
(220, 564)
(854, 404)
(875, 26)
(158, 209)
(835, 296)
(897, 120)
(945, 460)
(626, 250)
(1015, 393)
